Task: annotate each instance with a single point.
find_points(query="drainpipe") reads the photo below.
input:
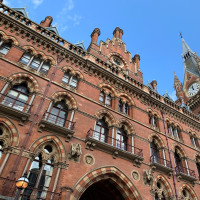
(173, 176)
(28, 134)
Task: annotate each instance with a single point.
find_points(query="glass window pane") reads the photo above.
(5, 48)
(26, 58)
(101, 97)
(45, 68)
(35, 63)
(108, 100)
(65, 78)
(74, 81)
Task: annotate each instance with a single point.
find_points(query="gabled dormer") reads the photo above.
(21, 11)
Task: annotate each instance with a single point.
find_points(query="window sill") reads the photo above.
(17, 114)
(183, 176)
(48, 126)
(163, 168)
(92, 144)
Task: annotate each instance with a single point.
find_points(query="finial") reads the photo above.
(181, 35)
(165, 91)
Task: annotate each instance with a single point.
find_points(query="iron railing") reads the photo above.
(8, 189)
(15, 103)
(105, 138)
(57, 120)
(184, 170)
(161, 161)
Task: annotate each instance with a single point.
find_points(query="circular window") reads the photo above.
(117, 61)
(48, 149)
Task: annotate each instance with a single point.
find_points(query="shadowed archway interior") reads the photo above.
(102, 190)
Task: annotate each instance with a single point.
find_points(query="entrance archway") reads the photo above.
(101, 178)
(103, 189)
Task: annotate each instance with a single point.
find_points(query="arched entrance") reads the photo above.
(102, 190)
(109, 179)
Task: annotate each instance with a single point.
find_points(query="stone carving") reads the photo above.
(75, 152)
(135, 175)
(89, 159)
(148, 176)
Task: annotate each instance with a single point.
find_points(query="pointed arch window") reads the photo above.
(70, 80)
(40, 174)
(122, 139)
(5, 47)
(26, 57)
(106, 99)
(101, 131)
(17, 97)
(154, 152)
(194, 141)
(35, 62)
(123, 107)
(58, 114)
(153, 120)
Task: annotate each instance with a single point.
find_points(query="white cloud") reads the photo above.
(76, 19)
(173, 95)
(70, 4)
(37, 2)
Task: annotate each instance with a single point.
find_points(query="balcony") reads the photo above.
(97, 140)
(8, 191)
(161, 164)
(185, 173)
(15, 108)
(57, 124)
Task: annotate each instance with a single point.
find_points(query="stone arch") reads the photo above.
(127, 125)
(180, 150)
(158, 140)
(167, 190)
(149, 110)
(126, 97)
(43, 56)
(69, 99)
(120, 56)
(52, 60)
(190, 190)
(23, 77)
(30, 48)
(11, 132)
(50, 138)
(121, 181)
(73, 72)
(79, 74)
(108, 117)
(8, 37)
(104, 85)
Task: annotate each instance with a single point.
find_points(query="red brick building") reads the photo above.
(83, 125)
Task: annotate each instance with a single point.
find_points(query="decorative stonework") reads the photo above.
(135, 174)
(89, 159)
(75, 152)
(148, 176)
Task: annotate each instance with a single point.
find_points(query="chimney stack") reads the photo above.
(47, 22)
(117, 33)
(95, 34)
(154, 84)
(136, 59)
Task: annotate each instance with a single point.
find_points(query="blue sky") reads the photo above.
(151, 29)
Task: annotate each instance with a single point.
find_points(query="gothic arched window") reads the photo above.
(58, 114)
(101, 131)
(70, 80)
(106, 99)
(17, 97)
(36, 61)
(5, 47)
(26, 57)
(154, 152)
(178, 162)
(122, 139)
(40, 174)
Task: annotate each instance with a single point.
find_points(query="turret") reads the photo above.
(117, 33)
(178, 87)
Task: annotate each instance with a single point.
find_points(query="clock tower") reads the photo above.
(191, 84)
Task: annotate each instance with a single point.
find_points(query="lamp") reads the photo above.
(21, 183)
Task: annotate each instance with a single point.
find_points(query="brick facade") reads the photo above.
(81, 154)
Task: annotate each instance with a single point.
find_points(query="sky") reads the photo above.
(151, 29)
